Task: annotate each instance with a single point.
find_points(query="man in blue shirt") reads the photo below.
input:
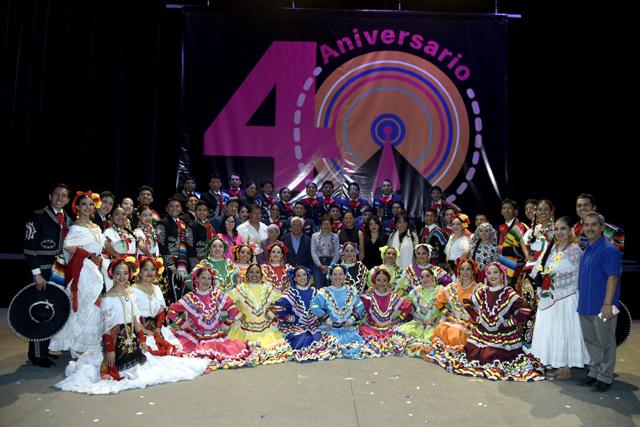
(600, 269)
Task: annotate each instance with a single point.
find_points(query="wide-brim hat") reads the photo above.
(623, 325)
(37, 315)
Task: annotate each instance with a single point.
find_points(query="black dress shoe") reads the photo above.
(587, 381)
(43, 362)
(52, 356)
(600, 386)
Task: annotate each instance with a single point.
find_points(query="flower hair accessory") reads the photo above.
(333, 267)
(292, 274)
(130, 261)
(95, 197)
(236, 251)
(282, 247)
(198, 270)
(380, 270)
(460, 261)
(158, 263)
(423, 245)
(500, 267)
(225, 246)
(464, 219)
(344, 245)
(383, 249)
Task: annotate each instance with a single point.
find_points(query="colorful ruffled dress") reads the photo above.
(254, 300)
(416, 335)
(411, 276)
(277, 276)
(301, 327)
(455, 325)
(356, 276)
(202, 329)
(336, 307)
(383, 312)
(227, 271)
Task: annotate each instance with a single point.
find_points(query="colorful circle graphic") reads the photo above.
(399, 98)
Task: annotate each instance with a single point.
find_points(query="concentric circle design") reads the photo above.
(399, 96)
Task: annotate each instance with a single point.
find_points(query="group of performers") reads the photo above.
(131, 326)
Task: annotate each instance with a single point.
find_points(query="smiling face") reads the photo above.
(544, 212)
(217, 249)
(426, 279)
(300, 278)
(127, 205)
(583, 206)
(59, 197)
(390, 256)
(120, 274)
(205, 281)
(337, 276)
(86, 208)
(422, 256)
(174, 209)
(202, 212)
(592, 228)
(381, 282)
(354, 191)
(244, 255)
(562, 231)
(251, 190)
(494, 275)
(466, 271)
(508, 212)
(311, 190)
(275, 256)
(254, 274)
(285, 195)
(147, 272)
(349, 254)
(118, 216)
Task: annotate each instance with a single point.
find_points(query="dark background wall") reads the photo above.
(90, 96)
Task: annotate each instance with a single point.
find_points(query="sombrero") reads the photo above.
(623, 325)
(36, 315)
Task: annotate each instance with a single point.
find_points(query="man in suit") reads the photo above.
(299, 244)
(44, 236)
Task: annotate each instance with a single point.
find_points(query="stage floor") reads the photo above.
(376, 392)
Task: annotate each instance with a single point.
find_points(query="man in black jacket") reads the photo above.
(299, 244)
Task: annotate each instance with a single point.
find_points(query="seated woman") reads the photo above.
(356, 270)
(152, 309)
(201, 332)
(299, 325)
(226, 270)
(384, 310)
(416, 336)
(494, 348)
(455, 324)
(255, 298)
(389, 257)
(412, 275)
(276, 270)
(243, 256)
(124, 357)
(340, 308)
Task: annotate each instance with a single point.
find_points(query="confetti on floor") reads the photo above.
(96, 420)
(139, 413)
(348, 379)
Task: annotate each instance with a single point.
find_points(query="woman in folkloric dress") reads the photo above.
(82, 251)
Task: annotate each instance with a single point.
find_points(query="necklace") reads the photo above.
(341, 312)
(128, 342)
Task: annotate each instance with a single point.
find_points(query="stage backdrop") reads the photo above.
(301, 95)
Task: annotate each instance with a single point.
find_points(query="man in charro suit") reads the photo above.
(172, 243)
(43, 241)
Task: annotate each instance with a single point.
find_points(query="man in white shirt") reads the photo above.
(253, 230)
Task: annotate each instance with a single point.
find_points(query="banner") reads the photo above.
(298, 96)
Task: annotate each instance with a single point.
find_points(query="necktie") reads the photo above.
(63, 224)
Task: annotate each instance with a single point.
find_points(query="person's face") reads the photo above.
(354, 192)
(325, 226)
(189, 186)
(274, 212)
(311, 190)
(254, 215)
(267, 188)
(374, 227)
(426, 278)
(583, 206)
(494, 276)
(299, 210)
(273, 234)
(217, 249)
(127, 205)
(592, 228)
(382, 281)
(422, 256)
(334, 213)
(484, 235)
(146, 217)
(121, 274)
(86, 207)
(202, 212)
(456, 226)
(396, 209)
(174, 209)
(387, 188)
(466, 271)
(244, 256)
(229, 223)
(508, 212)
(234, 181)
(562, 231)
(429, 218)
(349, 254)
(118, 217)
(148, 272)
(215, 184)
(529, 211)
(285, 195)
(275, 255)
(337, 277)
(327, 190)
(447, 215)
(191, 203)
(205, 280)
(244, 213)
(402, 225)
(59, 198)
(436, 194)
(145, 197)
(232, 208)
(252, 190)
(254, 274)
(106, 205)
(296, 227)
(390, 257)
(348, 220)
(544, 212)
(300, 278)
(481, 219)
